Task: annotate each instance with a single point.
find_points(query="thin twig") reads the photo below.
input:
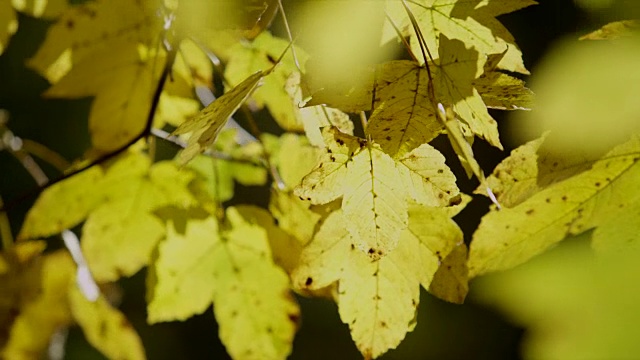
(171, 56)
(286, 26)
(402, 38)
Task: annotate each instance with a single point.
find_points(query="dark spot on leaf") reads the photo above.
(70, 24)
(597, 184)
(269, 330)
(440, 171)
(564, 198)
(388, 138)
(371, 251)
(529, 212)
(294, 318)
(548, 200)
(383, 324)
(386, 129)
(308, 282)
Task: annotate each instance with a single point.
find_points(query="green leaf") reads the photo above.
(232, 268)
(598, 197)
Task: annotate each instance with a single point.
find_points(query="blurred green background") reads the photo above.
(444, 331)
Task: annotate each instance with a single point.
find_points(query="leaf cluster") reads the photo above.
(359, 213)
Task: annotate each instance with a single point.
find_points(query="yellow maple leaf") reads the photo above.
(604, 197)
(375, 188)
(473, 22)
(379, 299)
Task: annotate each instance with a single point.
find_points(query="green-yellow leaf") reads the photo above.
(293, 156)
(40, 8)
(234, 270)
(294, 215)
(242, 166)
(43, 306)
(64, 205)
(614, 30)
(542, 296)
(442, 260)
(8, 23)
(105, 328)
(597, 197)
(504, 92)
(205, 126)
(247, 58)
(471, 21)
(120, 234)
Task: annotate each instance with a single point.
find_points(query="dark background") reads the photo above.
(444, 331)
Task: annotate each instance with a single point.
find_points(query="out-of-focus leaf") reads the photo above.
(574, 305)
(105, 328)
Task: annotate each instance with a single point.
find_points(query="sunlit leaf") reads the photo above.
(375, 188)
(40, 8)
(293, 156)
(378, 299)
(457, 69)
(597, 197)
(205, 126)
(261, 54)
(471, 21)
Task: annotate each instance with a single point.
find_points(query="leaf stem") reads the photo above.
(286, 26)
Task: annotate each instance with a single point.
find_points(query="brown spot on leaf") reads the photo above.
(308, 282)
